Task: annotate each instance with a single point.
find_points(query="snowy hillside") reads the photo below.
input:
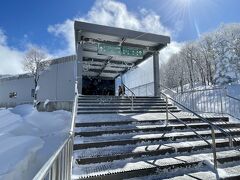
(28, 138)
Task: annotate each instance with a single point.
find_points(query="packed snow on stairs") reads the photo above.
(124, 145)
(28, 138)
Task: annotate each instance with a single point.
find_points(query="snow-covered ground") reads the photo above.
(28, 138)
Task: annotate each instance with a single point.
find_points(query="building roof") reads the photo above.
(55, 61)
(110, 51)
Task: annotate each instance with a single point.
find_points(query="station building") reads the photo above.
(103, 55)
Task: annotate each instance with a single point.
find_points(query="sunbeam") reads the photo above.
(187, 11)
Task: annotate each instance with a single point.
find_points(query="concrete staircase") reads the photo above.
(114, 104)
(114, 142)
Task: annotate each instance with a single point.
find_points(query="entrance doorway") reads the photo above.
(98, 86)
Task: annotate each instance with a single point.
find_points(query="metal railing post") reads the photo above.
(221, 102)
(146, 90)
(192, 102)
(132, 103)
(166, 121)
(132, 96)
(214, 148)
(230, 141)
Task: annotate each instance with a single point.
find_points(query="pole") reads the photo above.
(156, 74)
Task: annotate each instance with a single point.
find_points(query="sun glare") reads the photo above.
(185, 3)
(186, 11)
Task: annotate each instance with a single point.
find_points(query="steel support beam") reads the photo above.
(79, 66)
(105, 65)
(156, 74)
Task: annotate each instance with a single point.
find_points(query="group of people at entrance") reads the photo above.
(121, 90)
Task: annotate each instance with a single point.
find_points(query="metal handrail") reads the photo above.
(174, 92)
(206, 106)
(59, 165)
(132, 96)
(200, 90)
(53, 168)
(74, 109)
(233, 97)
(213, 145)
(202, 118)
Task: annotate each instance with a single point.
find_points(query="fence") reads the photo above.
(214, 100)
(142, 90)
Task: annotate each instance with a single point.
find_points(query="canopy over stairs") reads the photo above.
(106, 52)
(111, 64)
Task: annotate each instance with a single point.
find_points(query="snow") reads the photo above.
(46, 103)
(37, 88)
(28, 138)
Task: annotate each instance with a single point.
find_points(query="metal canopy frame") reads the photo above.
(87, 37)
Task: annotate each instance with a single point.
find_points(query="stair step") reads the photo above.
(232, 172)
(148, 166)
(122, 108)
(133, 138)
(114, 142)
(111, 153)
(117, 97)
(123, 104)
(120, 129)
(122, 101)
(150, 121)
(125, 111)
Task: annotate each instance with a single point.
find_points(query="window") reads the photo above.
(12, 94)
(32, 92)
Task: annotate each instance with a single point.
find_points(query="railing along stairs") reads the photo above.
(130, 97)
(59, 165)
(212, 126)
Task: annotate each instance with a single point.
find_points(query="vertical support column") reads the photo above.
(121, 79)
(156, 74)
(79, 66)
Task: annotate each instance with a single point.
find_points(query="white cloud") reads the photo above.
(105, 12)
(65, 32)
(111, 13)
(10, 58)
(173, 48)
(3, 37)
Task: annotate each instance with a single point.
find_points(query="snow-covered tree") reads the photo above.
(35, 63)
(226, 67)
(212, 59)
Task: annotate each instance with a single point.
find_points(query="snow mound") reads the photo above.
(18, 155)
(28, 138)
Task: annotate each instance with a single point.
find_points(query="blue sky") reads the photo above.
(48, 23)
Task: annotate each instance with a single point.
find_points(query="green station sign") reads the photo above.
(130, 51)
(113, 50)
(107, 49)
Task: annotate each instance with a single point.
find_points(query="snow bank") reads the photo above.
(28, 138)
